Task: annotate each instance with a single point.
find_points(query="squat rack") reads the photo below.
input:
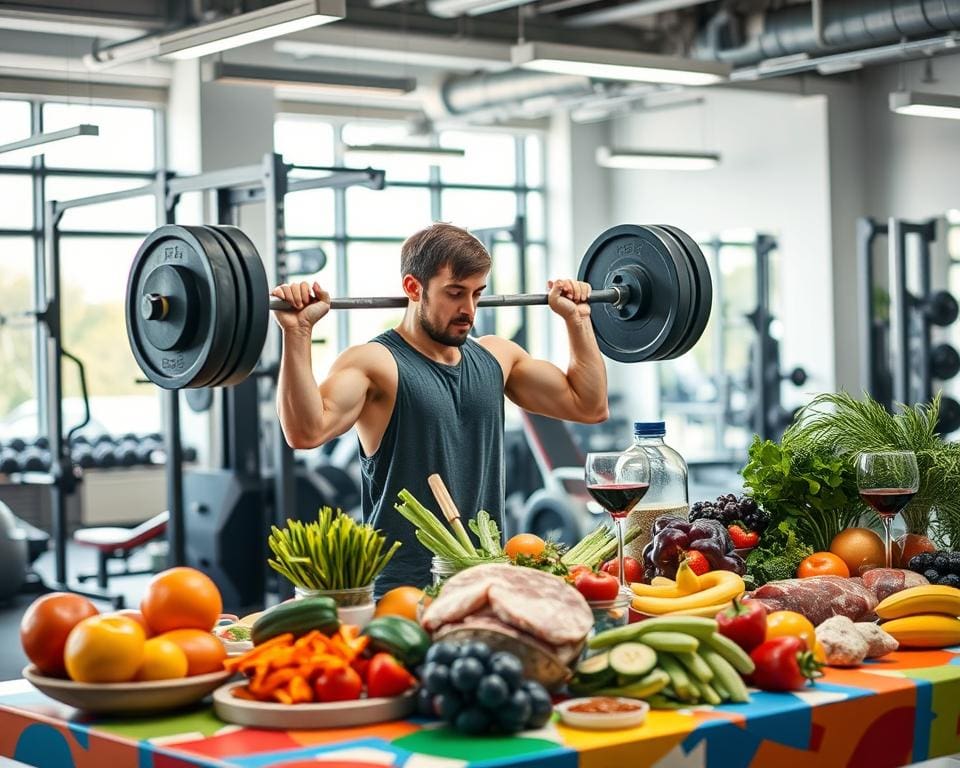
(268, 182)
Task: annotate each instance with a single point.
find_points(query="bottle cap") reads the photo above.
(649, 429)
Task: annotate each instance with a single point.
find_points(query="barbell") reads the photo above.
(197, 302)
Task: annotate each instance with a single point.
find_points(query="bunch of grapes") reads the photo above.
(478, 691)
(728, 509)
(941, 568)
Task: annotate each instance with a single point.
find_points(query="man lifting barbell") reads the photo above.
(196, 312)
(426, 398)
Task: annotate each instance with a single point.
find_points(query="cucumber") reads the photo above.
(297, 617)
(697, 667)
(596, 670)
(725, 676)
(400, 637)
(632, 660)
(673, 642)
(653, 683)
(731, 652)
(679, 678)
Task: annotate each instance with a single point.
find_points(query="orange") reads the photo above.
(823, 564)
(45, 626)
(104, 649)
(181, 598)
(860, 548)
(791, 624)
(524, 544)
(402, 601)
(163, 659)
(205, 653)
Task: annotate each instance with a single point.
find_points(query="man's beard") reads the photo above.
(440, 335)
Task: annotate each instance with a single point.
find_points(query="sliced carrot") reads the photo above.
(300, 690)
(242, 692)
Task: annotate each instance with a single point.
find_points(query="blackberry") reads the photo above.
(731, 512)
(932, 575)
(756, 520)
(748, 506)
(941, 561)
(921, 562)
(950, 580)
(696, 507)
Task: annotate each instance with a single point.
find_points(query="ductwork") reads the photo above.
(847, 25)
(475, 93)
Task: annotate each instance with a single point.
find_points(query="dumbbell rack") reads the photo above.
(895, 364)
(229, 189)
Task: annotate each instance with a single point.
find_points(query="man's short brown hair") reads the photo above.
(428, 251)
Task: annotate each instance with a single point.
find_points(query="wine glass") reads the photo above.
(617, 481)
(887, 481)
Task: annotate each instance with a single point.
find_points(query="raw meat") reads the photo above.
(532, 601)
(486, 620)
(884, 582)
(818, 597)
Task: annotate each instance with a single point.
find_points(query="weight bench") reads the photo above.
(118, 544)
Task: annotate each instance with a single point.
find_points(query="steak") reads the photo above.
(486, 620)
(529, 600)
(884, 582)
(818, 597)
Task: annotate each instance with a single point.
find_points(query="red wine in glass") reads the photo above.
(620, 498)
(887, 501)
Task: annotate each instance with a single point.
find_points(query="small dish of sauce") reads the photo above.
(603, 712)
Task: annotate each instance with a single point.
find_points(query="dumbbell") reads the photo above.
(944, 362)
(34, 459)
(146, 448)
(940, 308)
(82, 456)
(17, 445)
(9, 462)
(103, 454)
(127, 453)
(42, 443)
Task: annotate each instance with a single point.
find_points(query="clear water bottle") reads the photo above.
(668, 483)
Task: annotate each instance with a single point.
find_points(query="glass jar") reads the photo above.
(354, 606)
(442, 569)
(668, 484)
(608, 614)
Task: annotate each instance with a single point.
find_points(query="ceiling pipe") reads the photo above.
(630, 10)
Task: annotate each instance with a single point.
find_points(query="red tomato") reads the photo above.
(340, 684)
(597, 586)
(632, 569)
(822, 564)
(45, 626)
(387, 677)
(575, 571)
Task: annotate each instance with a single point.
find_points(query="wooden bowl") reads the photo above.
(538, 663)
(127, 698)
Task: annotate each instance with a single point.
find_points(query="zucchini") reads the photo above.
(595, 670)
(399, 637)
(632, 660)
(653, 683)
(297, 617)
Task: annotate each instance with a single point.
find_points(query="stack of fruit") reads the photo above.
(744, 520)
(477, 691)
(671, 662)
(941, 567)
(922, 617)
(690, 594)
(673, 539)
(169, 637)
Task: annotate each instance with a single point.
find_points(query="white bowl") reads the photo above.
(602, 720)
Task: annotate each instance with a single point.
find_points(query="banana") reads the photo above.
(687, 583)
(716, 587)
(929, 598)
(710, 611)
(925, 630)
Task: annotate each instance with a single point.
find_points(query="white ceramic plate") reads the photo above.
(338, 714)
(602, 720)
(127, 698)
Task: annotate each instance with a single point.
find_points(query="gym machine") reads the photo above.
(226, 500)
(898, 360)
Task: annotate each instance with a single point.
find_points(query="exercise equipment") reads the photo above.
(197, 300)
(13, 554)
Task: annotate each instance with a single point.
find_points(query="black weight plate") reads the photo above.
(257, 302)
(693, 277)
(241, 303)
(704, 303)
(194, 357)
(645, 336)
(686, 297)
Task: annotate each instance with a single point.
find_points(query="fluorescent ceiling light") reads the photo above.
(925, 104)
(449, 9)
(656, 160)
(245, 28)
(606, 64)
(415, 150)
(254, 74)
(41, 142)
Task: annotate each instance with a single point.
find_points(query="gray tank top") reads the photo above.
(447, 419)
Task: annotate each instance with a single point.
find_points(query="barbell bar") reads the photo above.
(197, 302)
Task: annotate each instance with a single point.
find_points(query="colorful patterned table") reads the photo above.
(901, 709)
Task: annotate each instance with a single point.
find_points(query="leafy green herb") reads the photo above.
(777, 557)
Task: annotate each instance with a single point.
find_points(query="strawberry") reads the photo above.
(697, 562)
(742, 538)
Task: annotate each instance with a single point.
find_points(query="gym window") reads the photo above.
(98, 243)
